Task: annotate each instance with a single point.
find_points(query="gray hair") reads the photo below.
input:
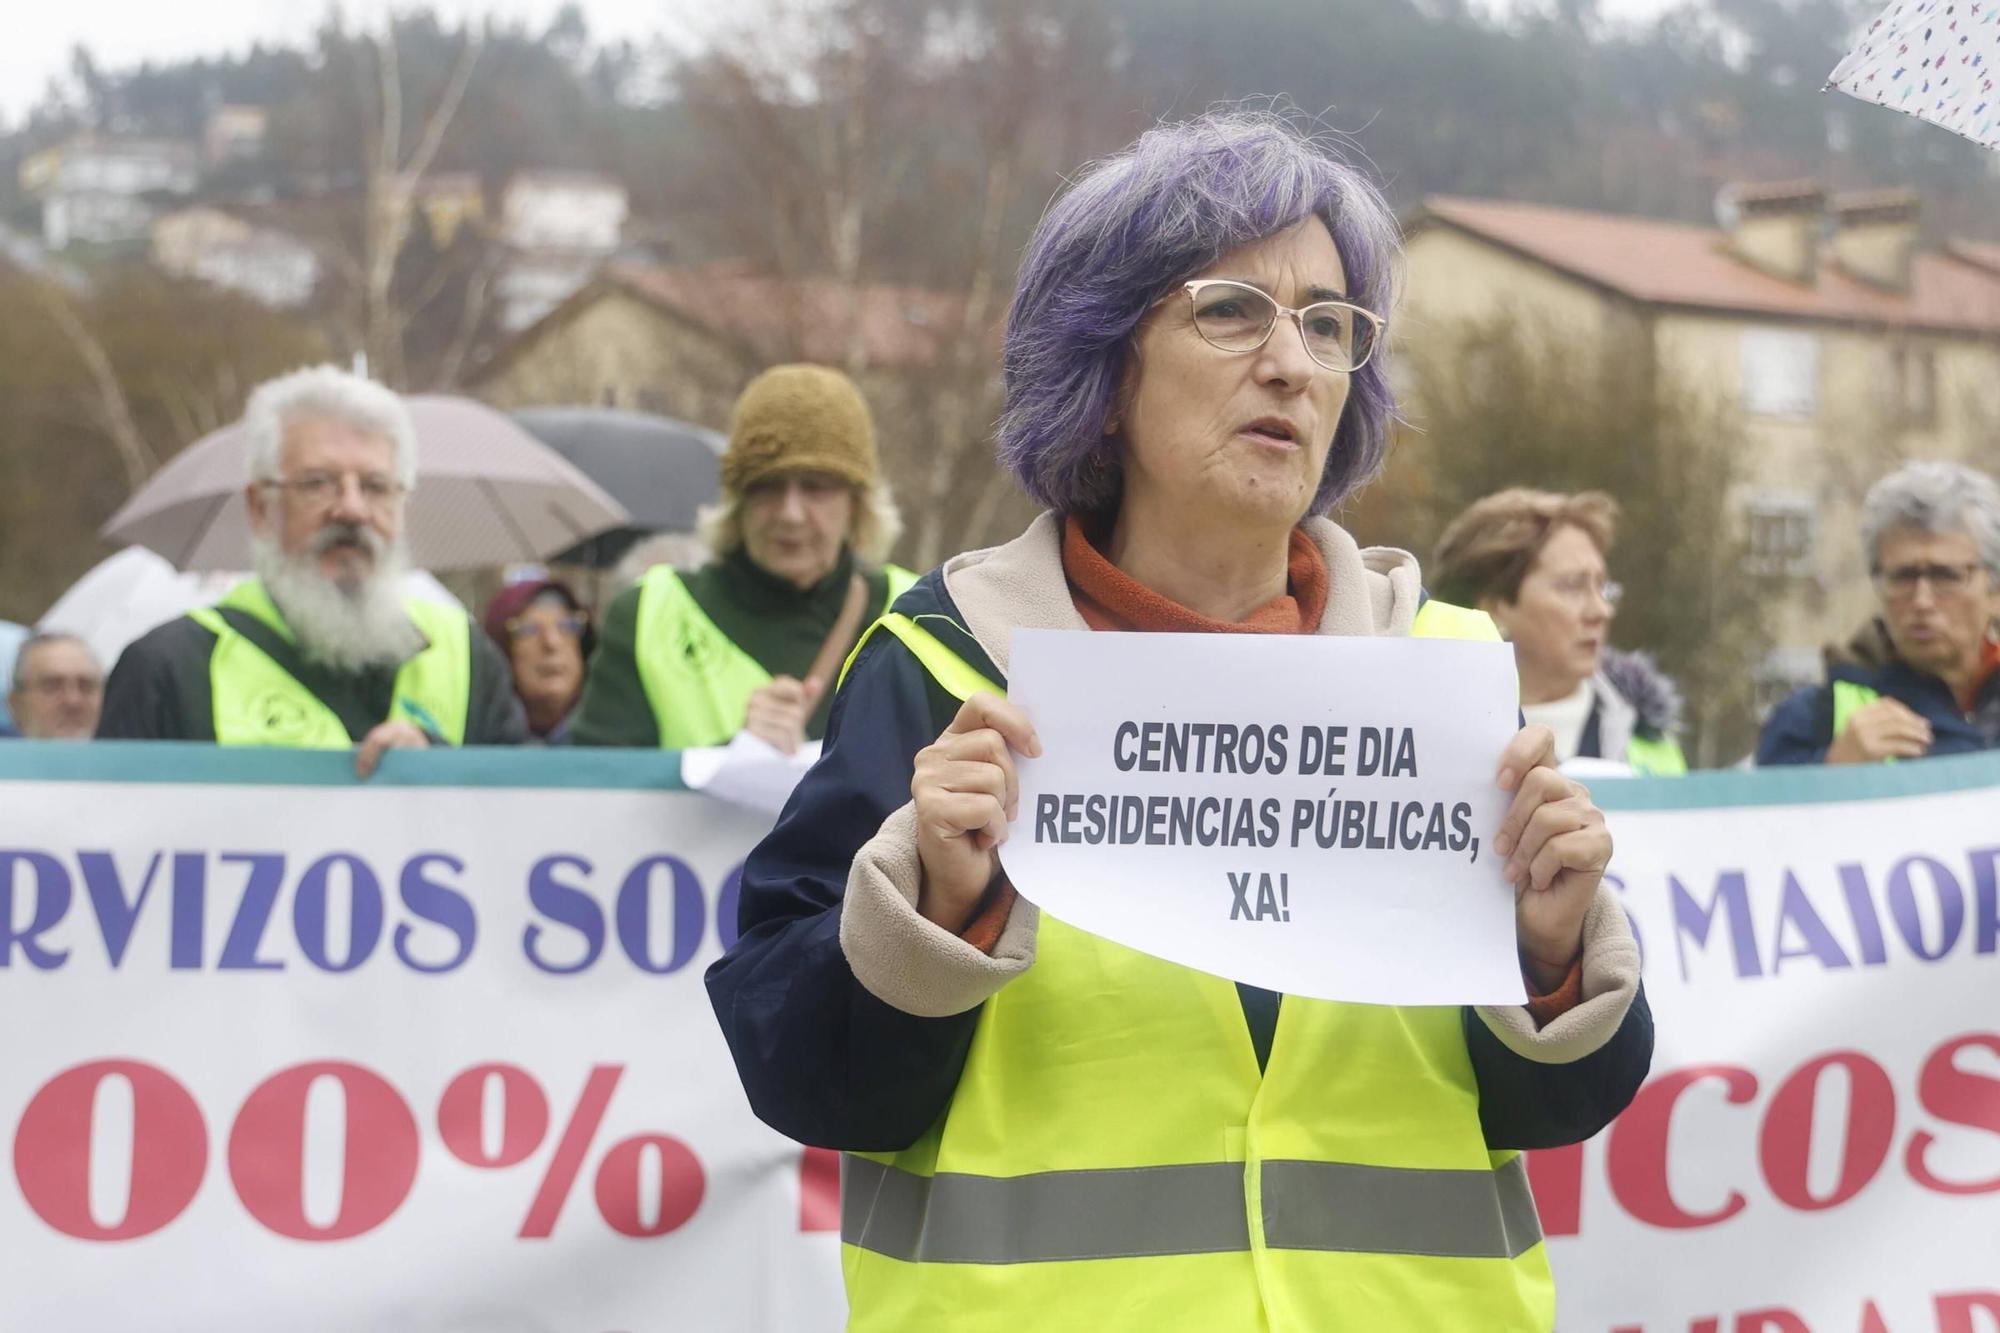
(37, 640)
(330, 393)
(1934, 497)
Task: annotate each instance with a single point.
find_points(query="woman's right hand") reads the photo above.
(965, 793)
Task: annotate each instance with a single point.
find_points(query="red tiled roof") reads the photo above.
(1678, 264)
(1986, 255)
(808, 317)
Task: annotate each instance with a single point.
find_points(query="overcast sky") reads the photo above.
(39, 34)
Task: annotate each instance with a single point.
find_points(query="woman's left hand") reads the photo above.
(1557, 848)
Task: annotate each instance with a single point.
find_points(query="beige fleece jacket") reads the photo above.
(921, 968)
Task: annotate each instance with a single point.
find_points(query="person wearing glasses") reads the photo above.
(1923, 676)
(1047, 1129)
(547, 636)
(1535, 561)
(321, 650)
(58, 689)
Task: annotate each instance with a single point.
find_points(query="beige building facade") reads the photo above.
(1834, 344)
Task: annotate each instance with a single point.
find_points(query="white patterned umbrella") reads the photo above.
(487, 493)
(1932, 59)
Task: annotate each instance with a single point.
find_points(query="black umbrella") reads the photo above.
(661, 470)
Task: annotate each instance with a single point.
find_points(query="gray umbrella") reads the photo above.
(487, 493)
(662, 470)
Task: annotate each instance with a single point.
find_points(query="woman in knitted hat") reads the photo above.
(1045, 1128)
(751, 640)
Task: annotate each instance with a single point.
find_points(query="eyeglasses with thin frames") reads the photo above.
(1900, 584)
(1580, 588)
(322, 490)
(1235, 317)
(521, 628)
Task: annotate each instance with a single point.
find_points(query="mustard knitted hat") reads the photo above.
(799, 419)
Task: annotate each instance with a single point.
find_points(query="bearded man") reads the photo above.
(320, 650)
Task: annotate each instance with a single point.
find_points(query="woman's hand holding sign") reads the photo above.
(1557, 848)
(965, 792)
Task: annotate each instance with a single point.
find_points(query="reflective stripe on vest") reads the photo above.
(1058, 1216)
(697, 680)
(258, 702)
(1112, 1156)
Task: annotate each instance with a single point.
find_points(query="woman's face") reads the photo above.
(1246, 432)
(545, 648)
(1559, 620)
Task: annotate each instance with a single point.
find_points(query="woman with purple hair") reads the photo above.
(1044, 1129)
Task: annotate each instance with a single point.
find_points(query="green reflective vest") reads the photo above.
(258, 702)
(697, 680)
(1113, 1158)
(1848, 699)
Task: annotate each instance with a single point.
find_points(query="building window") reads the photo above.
(1913, 384)
(1780, 527)
(1780, 373)
(1782, 673)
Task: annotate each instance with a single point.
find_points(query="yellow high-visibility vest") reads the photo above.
(1113, 1158)
(696, 678)
(258, 702)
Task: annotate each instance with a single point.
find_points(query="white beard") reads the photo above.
(347, 631)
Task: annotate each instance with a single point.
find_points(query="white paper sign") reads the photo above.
(1310, 814)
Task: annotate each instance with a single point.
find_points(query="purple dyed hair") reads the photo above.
(1128, 231)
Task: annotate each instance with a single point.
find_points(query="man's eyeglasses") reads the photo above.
(321, 490)
(1900, 583)
(1235, 317)
(522, 628)
(48, 687)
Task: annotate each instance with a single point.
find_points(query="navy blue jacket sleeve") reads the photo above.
(1525, 1104)
(824, 1061)
(1798, 730)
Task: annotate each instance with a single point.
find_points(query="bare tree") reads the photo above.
(110, 412)
(865, 141)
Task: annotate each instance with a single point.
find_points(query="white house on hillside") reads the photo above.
(212, 246)
(97, 190)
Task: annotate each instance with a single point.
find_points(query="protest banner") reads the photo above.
(1308, 814)
(288, 1052)
(433, 1053)
(1817, 1149)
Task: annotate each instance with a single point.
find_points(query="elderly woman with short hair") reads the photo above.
(1046, 1129)
(1922, 677)
(1536, 562)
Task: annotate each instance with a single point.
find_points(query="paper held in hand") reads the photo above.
(1310, 814)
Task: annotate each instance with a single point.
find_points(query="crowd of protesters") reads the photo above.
(322, 648)
(753, 640)
(889, 992)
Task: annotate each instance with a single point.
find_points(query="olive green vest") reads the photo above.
(1113, 1158)
(697, 680)
(258, 702)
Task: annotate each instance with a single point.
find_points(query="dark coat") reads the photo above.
(1800, 730)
